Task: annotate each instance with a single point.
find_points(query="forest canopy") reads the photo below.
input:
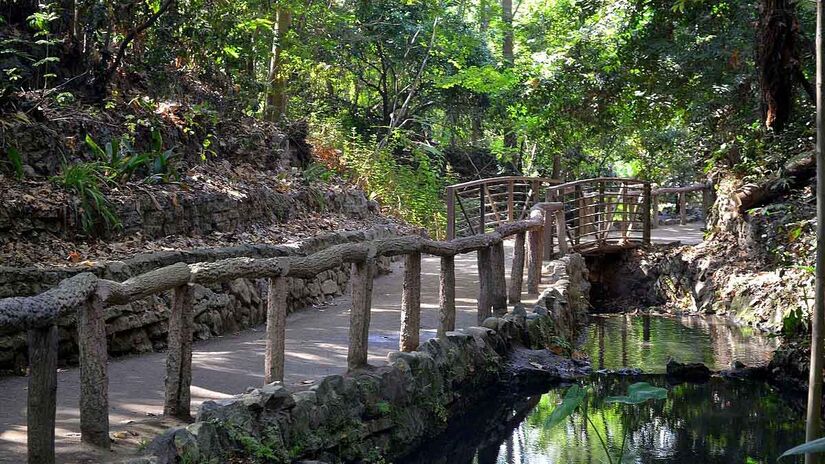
(667, 90)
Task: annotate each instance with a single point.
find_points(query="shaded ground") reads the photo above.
(316, 346)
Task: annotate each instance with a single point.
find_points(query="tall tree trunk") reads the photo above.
(510, 135)
(507, 20)
(814, 426)
(276, 97)
(778, 60)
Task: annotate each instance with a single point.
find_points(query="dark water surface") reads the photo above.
(718, 422)
(645, 342)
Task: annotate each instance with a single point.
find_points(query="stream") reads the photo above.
(720, 421)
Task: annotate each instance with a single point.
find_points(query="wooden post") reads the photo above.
(482, 210)
(177, 401)
(359, 325)
(517, 272)
(450, 213)
(275, 330)
(42, 394)
(411, 303)
(511, 203)
(561, 231)
(601, 209)
(707, 202)
(485, 285)
(446, 296)
(646, 214)
(94, 380)
(499, 290)
(682, 208)
(579, 205)
(549, 246)
(654, 215)
(534, 260)
(536, 185)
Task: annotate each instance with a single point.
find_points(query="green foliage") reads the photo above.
(85, 180)
(637, 393)
(13, 156)
(812, 447)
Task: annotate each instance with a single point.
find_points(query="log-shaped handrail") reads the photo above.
(90, 295)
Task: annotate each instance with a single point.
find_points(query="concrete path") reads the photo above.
(316, 346)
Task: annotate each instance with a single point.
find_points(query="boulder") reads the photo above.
(691, 372)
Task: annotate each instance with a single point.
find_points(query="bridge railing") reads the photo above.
(605, 212)
(88, 296)
(478, 206)
(681, 198)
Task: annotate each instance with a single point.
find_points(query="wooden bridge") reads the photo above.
(599, 215)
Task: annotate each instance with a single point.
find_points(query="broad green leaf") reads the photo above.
(639, 393)
(572, 399)
(812, 447)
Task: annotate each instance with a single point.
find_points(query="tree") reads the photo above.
(276, 98)
(813, 430)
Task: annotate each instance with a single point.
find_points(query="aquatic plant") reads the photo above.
(638, 393)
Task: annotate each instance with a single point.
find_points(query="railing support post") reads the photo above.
(450, 213)
(499, 290)
(411, 303)
(446, 296)
(534, 260)
(561, 230)
(682, 208)
(517, 272)
(275, 329)
(646, 214)
(359, 325)
(511, 203)
(482, 210)
(177, 401)
(42, 394)
(707, 201)
(94, 379)
(654, 215)
(485, 284)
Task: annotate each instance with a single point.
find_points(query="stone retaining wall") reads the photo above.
(379, 412)
(220, 308)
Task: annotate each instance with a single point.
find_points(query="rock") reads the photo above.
(693, 372)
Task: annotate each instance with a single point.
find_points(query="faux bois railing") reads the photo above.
(89, 296)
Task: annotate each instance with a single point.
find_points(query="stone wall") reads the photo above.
(379, 412)
(170, 210)
(219, 309)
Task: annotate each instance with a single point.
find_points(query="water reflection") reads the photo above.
(646, 342)
(717, 422)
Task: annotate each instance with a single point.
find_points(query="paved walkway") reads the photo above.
(316, 346)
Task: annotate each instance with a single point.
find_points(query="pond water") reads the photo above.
(717, 422)
(645, 342)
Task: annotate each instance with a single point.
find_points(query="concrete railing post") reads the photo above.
(654, 214)
(485, 284)
(535, 254)
(646, 194)
(561, 231)
(42, 394)
(94, 379)
(517, 271)
(177, 401)
(446, 296)
(411, 303)
(276, 305)
(499, 289)
(359, 325)
(682, 208)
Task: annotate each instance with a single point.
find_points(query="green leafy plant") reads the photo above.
(637, 393)
(16, 161)
(812, 447)
(85, 180)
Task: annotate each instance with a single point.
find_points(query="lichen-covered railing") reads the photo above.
(480, 205)
(90, 295)
(604, 212)
(682, 196)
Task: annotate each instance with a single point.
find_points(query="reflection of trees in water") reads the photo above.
(647, 341)
(718, 422)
